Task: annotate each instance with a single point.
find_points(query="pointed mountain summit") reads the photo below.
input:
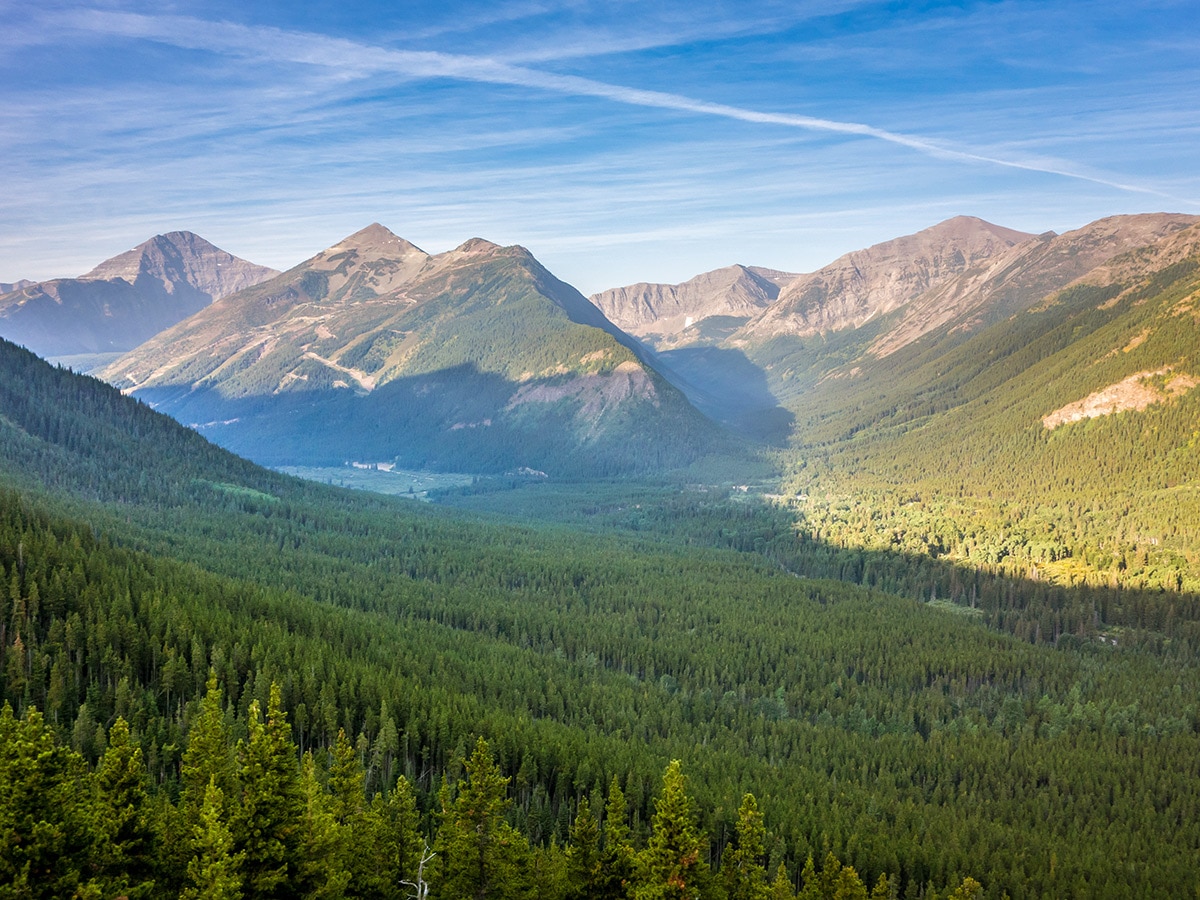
(477, 359)
(126, 299)
(181, 258)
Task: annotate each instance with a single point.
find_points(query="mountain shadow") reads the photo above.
(728, 387)
(454, 419)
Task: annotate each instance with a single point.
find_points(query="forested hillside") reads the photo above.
(1060, 444)
(157, 587)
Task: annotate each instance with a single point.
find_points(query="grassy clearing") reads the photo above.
(394, 482)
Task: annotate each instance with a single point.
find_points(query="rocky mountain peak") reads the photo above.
(657, 311)
(476, 245)
(182, 258)
(378, 240)
(126, 299)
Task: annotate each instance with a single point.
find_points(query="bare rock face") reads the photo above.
(658, 311)
(1014, 280)
(182, 258)
(863, 284)
(127, 299)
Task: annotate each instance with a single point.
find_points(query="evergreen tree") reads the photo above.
(394, 837)
(617, 854)
(970, 889)
(325, 844)
(272, 805)
(214, 872)
(584, 873)
(848, 885)
(45, 844)
(383, 751)
(481, 855)
(209, 755)
(347, 781)
(781, 887)
(742, 869)
(126, 845)
(672, 867)
(550, 877)
(811, 887)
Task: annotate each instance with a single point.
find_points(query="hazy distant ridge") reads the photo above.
(126, 299)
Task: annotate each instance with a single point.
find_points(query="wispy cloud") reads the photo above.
(351, 59)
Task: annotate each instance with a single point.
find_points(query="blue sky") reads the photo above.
(619, 141)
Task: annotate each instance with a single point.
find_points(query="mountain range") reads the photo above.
(124, 300)
(477, 359)
(721, 299)
(937, 286)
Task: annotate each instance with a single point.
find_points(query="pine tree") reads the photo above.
(848, 886)
(325, 845)
(970, 889)
(550, 877)
(126, 841)
(383, 751)
(781, 887)
(742, 869)
(482, 856)
(45, 841)
(617, 855)
(393, 825)
(672, 866)
(214, 872)
(346, 781)
(811, 887)
(583, 853)
(272, 806)
(209, 756)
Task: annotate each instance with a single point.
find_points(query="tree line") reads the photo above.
(255, 818)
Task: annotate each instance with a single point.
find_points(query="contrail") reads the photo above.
(355, 59)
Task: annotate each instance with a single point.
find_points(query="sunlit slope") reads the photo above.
(1064, 436)
(803, 362)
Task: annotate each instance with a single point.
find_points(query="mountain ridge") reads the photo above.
(1027, 272)
(863, 284)
(658, 312)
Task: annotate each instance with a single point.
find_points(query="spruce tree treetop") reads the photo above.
(672, 866)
